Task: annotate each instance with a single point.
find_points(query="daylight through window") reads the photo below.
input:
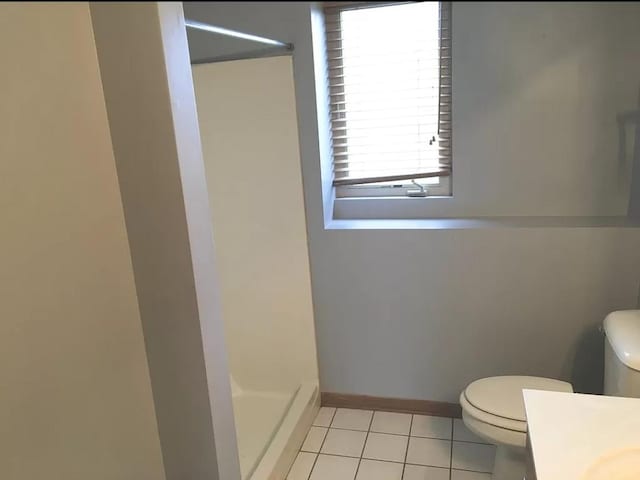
(390, 95)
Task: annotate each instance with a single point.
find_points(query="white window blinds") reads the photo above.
(390, 90)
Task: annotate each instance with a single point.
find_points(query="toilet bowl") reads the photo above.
(493, 409)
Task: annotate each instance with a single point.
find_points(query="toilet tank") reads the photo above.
(622, 354)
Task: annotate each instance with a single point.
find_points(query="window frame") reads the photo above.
(439, 187)
(442, 187)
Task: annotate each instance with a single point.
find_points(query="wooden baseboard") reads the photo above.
(403, 405)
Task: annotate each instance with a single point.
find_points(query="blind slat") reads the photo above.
(390, 96)
(392, 136)
(444, 98)
(390, 178)
(343, 172)
(387, 166)
(391, 160)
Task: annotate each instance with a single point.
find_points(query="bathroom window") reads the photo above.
(389, 68)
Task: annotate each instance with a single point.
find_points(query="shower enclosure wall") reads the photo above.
(247, 116)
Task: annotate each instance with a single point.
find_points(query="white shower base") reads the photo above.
(258, 415)
(270, 427)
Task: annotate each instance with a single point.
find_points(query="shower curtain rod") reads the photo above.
(234, 33)
(250, 55)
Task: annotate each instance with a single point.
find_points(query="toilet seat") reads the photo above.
(493, 408)
(498, 401)
(488, 418)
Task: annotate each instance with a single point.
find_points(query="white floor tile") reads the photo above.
(352, 419)
(381, 446)
(314, 439)
(328, 467)
(375, 470)
(431, 427)
(464, 475)
(419, 472)
(301, 468)
(429, 451)
(344, 442)
(388, 422)
(463, 434)
(324, 417)
(473, 456)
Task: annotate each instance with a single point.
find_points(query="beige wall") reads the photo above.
(75, 395)
(247, 116)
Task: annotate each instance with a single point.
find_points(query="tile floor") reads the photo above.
(347, 444)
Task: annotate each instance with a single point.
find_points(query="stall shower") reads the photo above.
(247, 118)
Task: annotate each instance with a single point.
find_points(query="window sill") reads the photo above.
(439, 213)
(460, 223)
(347, 208)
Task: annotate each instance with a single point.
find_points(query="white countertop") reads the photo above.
(569, 432)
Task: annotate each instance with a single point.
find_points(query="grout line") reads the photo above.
(323, 440)
(363, 458)
(433, 466)
(326, 432)
(364, 445)
(406, 451)
(315, 460)
(335, 410)
(296, 459)
(400, 463)
(352, 429)
(330, 420)
(451, 454)
(383, 433)
(436, 438)
(448, 439)
(405, 463)
(322, 444)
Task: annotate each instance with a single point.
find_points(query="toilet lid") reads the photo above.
(488, 418)
(502, 396)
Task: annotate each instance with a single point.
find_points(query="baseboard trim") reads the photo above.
(403, 405)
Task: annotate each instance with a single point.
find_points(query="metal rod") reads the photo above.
(262, 53)
(234, 33)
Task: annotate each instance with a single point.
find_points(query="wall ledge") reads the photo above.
(457, 223)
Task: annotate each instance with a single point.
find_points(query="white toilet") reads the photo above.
(493, 408)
